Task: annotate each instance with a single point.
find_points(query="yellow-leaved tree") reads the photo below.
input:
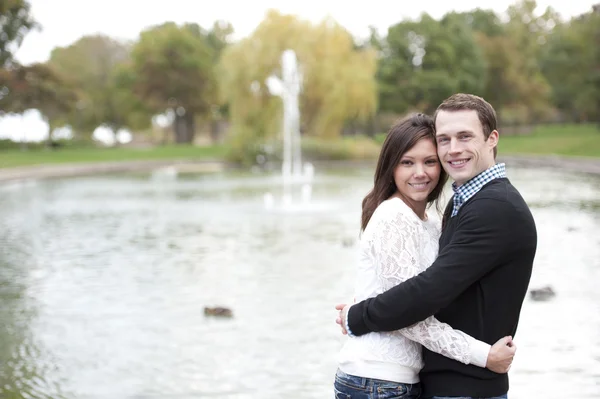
(338, 81)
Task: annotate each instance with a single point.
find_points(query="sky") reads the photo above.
(65, 21)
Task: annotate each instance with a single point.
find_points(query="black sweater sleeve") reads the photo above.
(480, 242)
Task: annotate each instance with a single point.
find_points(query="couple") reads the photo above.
(423, 321)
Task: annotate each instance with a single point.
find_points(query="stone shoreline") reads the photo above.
(86, 169)
(571, 164)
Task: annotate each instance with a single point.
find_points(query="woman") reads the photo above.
(398, 241)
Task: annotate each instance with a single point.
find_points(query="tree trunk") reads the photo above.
(115, 132)
(180, 129)
(184, 128)
(190, 123)
(214, 131)
(49, 140)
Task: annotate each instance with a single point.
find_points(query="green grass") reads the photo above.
(567, 140)
(37, 156)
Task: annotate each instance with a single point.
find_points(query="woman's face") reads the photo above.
(418, 172)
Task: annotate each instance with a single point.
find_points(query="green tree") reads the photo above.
(217, 38)
(483, 21)
(93, 64)
(15, 22)
(338, 80)
(571, 63)
(173, 69)
(38, 87)
(426, 61)
(529, 34)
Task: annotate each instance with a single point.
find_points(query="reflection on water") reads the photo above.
(103, 281)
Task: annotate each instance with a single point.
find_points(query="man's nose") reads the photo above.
(454, 146)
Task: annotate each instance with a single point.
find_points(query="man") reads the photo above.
(487, 247)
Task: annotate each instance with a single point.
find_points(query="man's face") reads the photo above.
(462, 148)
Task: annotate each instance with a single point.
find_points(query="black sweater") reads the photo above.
(477, 285)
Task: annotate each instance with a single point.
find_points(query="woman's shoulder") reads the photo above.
(394, 209)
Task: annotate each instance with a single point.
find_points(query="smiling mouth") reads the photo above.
(419, 186)
(459, 162)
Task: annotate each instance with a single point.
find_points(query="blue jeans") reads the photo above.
(352, 387)
(505, 396)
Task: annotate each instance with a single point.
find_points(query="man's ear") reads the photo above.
(493, 139)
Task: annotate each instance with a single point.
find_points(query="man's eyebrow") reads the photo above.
(460, 132)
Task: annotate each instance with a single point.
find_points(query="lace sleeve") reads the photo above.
(397, 247)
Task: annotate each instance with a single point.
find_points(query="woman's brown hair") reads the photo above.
(402, 136)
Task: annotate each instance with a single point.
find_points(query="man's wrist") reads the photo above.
(355, 319)
(347, 326)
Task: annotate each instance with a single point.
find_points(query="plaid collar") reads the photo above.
(464, 193)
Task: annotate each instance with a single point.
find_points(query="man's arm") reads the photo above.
(481, 240)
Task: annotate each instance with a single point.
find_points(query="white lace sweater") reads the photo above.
(395, 246)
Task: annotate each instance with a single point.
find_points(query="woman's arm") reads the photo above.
(441, 338)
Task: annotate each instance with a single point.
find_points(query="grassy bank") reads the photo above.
(39, 155)
(567, 140)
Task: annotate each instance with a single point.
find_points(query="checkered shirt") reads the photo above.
(463, 193)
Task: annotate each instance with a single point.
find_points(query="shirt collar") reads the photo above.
(465, 192)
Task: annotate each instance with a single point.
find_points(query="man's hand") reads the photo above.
(341, 319)
(501, 355)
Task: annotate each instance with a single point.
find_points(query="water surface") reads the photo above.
(103, 281)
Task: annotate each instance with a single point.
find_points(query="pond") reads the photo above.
(104, 280)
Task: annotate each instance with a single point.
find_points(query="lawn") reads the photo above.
(568, 140)
(39, 155)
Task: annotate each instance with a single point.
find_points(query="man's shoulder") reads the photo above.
(499, 198)
(500, 190)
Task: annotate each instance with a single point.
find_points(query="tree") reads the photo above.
(217, 38)
(483, 21)
(93, 64)
(571, 63)
(426, 61)
(38, 87)
(15, 22)
(529, 34)
(173, 72)
(338, 80)
(513, 82)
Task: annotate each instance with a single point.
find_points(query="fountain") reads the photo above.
(292, 170)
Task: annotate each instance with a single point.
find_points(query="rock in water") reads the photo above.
(218, 311)
(542, 294)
